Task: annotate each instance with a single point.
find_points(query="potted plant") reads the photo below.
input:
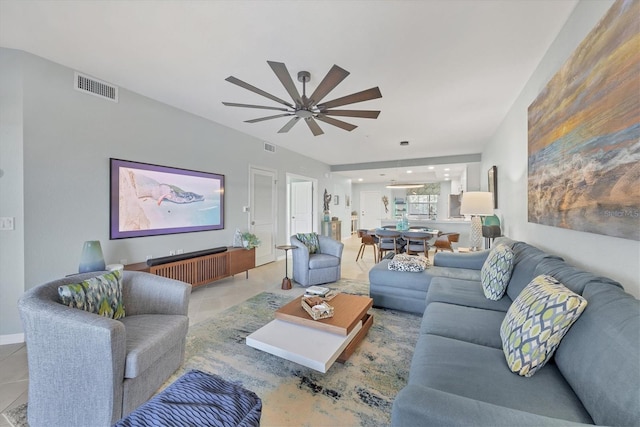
(250, 240)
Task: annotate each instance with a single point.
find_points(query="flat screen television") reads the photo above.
(151, 200)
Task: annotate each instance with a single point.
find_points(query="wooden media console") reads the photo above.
(201, 270)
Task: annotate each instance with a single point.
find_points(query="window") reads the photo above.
(423, 205)
(423, 201)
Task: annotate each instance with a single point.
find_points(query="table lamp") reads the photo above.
(476, 204)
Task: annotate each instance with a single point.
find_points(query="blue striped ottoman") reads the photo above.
(198, 399)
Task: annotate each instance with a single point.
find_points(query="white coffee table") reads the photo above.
(316, 344)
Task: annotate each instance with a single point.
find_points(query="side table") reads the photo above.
(286, 282)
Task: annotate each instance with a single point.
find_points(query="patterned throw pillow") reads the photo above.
(101, 295)
(402, 262)
(536, 322)
(310, 240)
(496, 272)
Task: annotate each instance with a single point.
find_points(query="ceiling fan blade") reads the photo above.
(330, 81)
(285, 78)
(291, 123)
(233, 104)
(339, 123)
(254, 89)
(261, 119)
(366, 114)
(365, 95)
(313, 125)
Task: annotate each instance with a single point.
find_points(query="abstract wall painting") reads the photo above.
(584, 134)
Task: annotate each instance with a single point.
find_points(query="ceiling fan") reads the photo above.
(309, 108)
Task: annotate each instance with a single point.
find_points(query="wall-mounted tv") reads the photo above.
(151, 200)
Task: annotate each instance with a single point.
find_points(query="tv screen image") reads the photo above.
(151, 200)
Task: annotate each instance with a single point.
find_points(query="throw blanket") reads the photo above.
(402, 262)
(198, 399)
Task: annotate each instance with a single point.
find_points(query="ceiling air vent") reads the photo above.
(95, 87)
(269, 147)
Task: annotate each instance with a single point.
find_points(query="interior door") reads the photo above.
(370, 205)
(262, 212)
(301, 207)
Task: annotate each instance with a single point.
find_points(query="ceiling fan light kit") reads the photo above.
(308, 108)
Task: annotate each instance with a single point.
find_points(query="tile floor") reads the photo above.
(205, 302)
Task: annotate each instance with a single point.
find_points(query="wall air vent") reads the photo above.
(95, 87)
(269, 147)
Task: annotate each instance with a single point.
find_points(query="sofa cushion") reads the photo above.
(526, 260)
(310, 240)
(536, 322)
(412, 264)
(474, 325)
(496, 272)
(323, 261)
(599, 355)
(480, 372)
(466, 293)
(149, 336)
(101, 295)
(570, 276)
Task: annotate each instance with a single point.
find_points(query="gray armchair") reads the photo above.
(321, 267)
(85, 369)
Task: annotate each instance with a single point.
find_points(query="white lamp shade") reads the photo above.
(477, 203)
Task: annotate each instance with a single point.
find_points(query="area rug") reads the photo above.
(359, 392)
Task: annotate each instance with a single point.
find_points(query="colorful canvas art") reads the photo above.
(584, 134)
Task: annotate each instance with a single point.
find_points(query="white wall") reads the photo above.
(609, 256)
(56, 143)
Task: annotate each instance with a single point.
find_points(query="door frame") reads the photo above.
(274, 193)
(314, 213)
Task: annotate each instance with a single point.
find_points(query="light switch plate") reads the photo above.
(7, 223)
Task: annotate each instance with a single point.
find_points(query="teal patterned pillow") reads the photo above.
(536, 322)
(496, 272)
(101, 295)
(310, 240)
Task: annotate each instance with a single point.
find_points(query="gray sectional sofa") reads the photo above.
(459, 375)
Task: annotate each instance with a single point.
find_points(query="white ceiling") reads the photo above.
(448, 70)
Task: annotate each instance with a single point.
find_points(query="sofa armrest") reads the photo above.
(330, 247)
(145, 293)
(472, 261)
(418, 405)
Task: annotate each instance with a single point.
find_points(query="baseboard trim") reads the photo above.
(11, 339)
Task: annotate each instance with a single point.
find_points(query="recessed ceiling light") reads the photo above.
(446, 174)
(360, 179)
(431, 167)
(447, 169)
(409, 171)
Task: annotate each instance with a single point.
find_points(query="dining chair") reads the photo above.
(367, 239)
(417, 242)
(443, 242)
(389, 240)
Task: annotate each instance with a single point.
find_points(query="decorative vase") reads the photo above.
(91, 258)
